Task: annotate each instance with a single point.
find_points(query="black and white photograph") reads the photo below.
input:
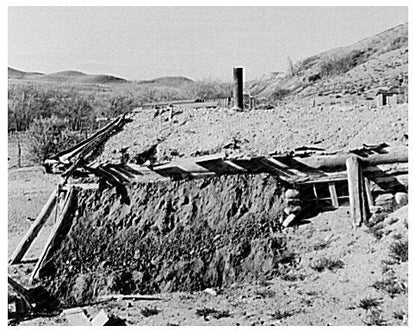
(236, 165)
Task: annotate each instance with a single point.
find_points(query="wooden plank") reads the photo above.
(53, 235)
(334, 197)
(34, 229)
(359, 209)
(370, 197)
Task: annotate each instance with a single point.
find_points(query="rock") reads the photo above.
(291, 193)
(210, 291)
(401, 199)
(385, 200)
(292, 209)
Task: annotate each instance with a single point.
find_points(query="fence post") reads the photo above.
(19, 152)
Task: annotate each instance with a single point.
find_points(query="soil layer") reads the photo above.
(170, 236)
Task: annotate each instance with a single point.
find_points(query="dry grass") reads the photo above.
(325, 263)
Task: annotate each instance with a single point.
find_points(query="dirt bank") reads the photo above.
(173, 236)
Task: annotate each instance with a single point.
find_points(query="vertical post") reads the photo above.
(358, 200)
(19, 152)
(238, 89)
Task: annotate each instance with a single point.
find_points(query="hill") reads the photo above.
(170, 81)
(352, 73)
(67, 76)
(18, 74)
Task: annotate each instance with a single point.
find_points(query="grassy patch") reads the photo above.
(398, 251)
(369, 303)
(325, 263)
(374, 318)
(391, 286)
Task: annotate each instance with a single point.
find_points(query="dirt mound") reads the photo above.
(172, 236)
(259, 132)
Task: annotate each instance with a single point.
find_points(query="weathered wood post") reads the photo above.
(238, 89)
(359, 208)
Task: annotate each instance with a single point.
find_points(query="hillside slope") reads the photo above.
(351, 73)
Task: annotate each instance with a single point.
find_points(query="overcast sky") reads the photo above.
(197, 42)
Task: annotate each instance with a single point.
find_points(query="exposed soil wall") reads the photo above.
(172, 236)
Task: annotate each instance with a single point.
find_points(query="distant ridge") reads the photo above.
(170, 81)
(66, 76)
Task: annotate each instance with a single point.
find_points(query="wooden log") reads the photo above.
(55, 232)
(338, 161)
(358, 202)
(34, 230)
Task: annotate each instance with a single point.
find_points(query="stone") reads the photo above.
(292, 209)
(291, 193)
(384, 200)
(401, 199)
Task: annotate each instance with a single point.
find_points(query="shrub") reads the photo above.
(49, 136)
(398, 251)
(327, 263)
(369, 303)
(391, 286)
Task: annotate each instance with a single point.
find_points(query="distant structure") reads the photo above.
(386, 97)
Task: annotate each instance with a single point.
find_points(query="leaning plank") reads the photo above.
(34, 230)
(53, 235)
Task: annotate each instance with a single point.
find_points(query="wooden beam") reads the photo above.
(34, 229)
(368, 193)
(338, 161)
(333, 193)
(55, 232)
(359, 209)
